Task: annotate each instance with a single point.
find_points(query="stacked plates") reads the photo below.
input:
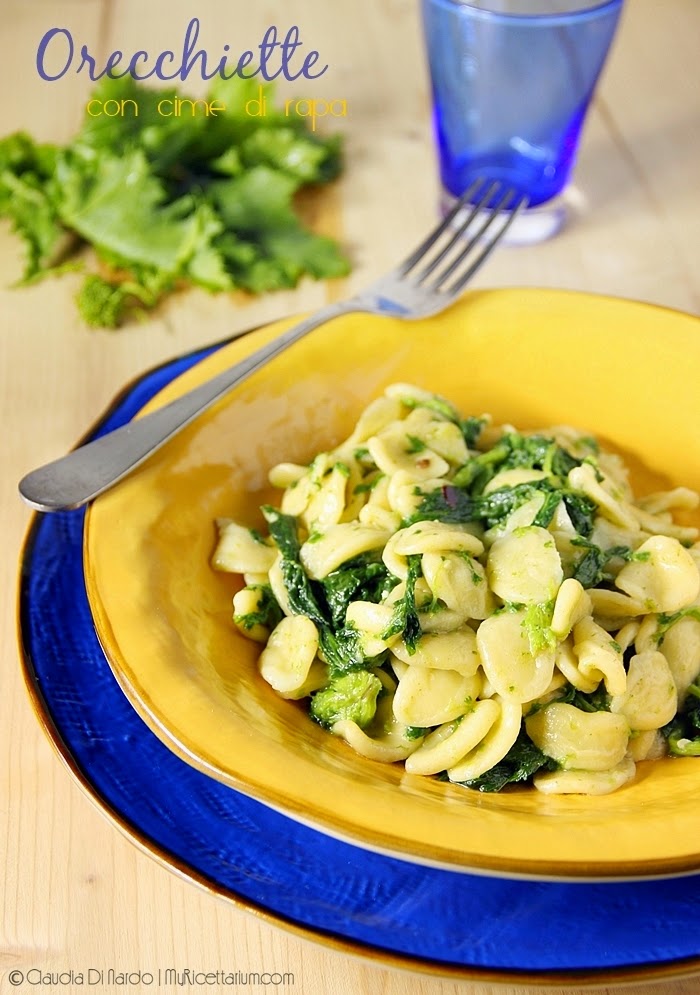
(483, 922)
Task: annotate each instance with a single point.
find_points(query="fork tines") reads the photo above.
(466, 237)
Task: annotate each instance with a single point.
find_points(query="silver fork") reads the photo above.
(425, 283)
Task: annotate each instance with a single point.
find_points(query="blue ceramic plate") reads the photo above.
(397, 913)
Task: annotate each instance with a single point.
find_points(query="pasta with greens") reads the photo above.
(478, 603)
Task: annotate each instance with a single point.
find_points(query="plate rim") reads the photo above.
(679, 968)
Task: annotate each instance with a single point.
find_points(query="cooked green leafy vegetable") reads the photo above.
(537, 623)
(594, 701)
(457, 505)
(359, 580)
(464, 499)
(522, 761)
(666, 621)
(415, 445)
(339, 644)
(589, 571)
(200, 198)
(471, 429)
(582, 510)
(404, 620)
(535, 452)
(350, 696)
(683, 731)
(416, 732)
(267, 613)
(452, 505)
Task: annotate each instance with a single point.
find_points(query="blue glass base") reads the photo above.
(532, 225)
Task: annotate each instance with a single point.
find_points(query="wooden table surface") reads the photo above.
(75, 892)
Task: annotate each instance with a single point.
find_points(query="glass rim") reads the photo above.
(544, 17)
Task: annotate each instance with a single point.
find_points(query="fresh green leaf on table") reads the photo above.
(26, 171)
(257, 205)
(119, 206)
(165, 199)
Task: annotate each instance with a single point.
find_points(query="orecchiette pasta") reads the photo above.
(454, 650)
(427, 697)
(579, 740)
(290, 652)
(509, 663)
(524, 566)
(479, 603)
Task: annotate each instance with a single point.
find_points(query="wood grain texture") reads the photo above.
(74, 892)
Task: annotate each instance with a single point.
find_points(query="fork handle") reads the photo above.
(87, 471)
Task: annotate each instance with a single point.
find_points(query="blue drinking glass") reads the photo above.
(512, 81)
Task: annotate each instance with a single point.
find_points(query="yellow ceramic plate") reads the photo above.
(625, 371)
